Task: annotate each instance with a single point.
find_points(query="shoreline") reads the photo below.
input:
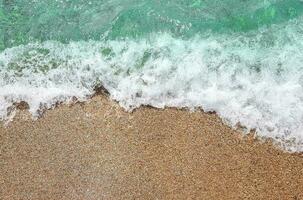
(96, 150)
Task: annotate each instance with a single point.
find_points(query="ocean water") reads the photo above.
(242, 59)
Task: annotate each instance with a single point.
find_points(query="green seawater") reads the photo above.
(27, 21)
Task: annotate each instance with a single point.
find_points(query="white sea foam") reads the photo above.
(255, 81)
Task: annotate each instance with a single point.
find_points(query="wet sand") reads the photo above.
(96, 150)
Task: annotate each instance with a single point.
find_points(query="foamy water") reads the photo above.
(259, 88)
(251, 77)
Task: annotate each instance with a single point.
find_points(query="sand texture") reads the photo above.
(96, 150)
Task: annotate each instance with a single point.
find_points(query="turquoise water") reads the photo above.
(22, 21)
(240, 58)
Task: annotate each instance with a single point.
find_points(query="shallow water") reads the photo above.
(239, 58)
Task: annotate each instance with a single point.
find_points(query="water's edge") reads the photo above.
(102, 92)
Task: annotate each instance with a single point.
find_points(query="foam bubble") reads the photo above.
(254, 79)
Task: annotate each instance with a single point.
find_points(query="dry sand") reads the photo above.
(97, 151)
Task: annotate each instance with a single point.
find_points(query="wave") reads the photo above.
(253, 79)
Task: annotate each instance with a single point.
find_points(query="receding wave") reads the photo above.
(245, 66)
(246, 81)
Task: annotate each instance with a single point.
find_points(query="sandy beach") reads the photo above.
(96, 150)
